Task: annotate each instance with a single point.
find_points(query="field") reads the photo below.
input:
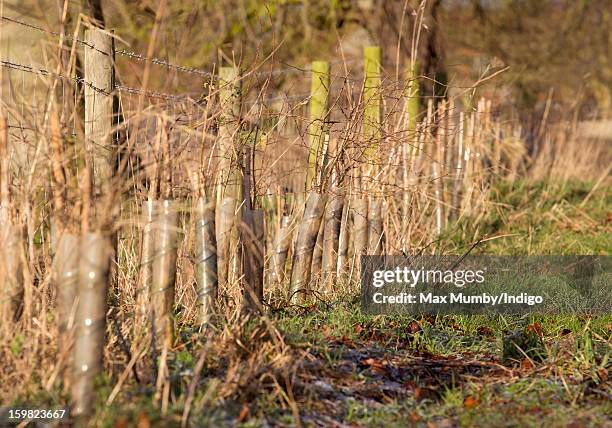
(182, 231)
(332, 364)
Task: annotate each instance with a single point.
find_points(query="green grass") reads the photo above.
(542, 218)
(336, 364)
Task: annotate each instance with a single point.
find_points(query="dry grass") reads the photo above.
(431, 179)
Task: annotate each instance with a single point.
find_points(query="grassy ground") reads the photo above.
(329, 364)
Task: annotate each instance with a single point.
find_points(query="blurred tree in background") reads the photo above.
(563, 47)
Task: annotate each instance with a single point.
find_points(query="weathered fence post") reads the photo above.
(165, 247)
(206, 258)
(317, 128)
(99, 115)
(96, 248)
(304, 245)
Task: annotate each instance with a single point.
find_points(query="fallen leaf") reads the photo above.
(244, 413)
(470, 402)
(536, 328)
(358, 328)
(527, 364)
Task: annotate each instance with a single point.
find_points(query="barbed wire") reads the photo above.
(44, 72)
(264, 101)
(123, 52)
(119, 88)
(67, 37)
(154, 94)
(164, 63)
(288, 69)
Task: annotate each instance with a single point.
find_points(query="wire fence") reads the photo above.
(287, 69)
(44, 72)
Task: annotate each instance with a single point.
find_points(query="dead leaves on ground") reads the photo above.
(360, 371)
(470, 402)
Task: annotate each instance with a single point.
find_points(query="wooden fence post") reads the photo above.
(413, 104)
(96, 249)
(372, 98)
(100, 78)
(317, 128)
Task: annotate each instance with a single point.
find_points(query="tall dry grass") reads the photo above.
(425, 178)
